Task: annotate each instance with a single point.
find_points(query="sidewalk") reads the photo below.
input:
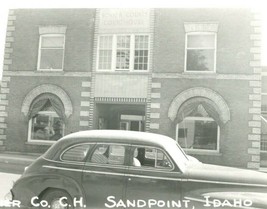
(18, 158)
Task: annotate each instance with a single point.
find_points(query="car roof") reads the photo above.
(119, 136)
(114, 136)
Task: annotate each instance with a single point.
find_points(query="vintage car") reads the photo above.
(124, 169)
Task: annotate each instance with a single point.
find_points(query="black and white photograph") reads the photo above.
(133, 105)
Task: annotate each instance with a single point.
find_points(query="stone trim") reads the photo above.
(155, 105)
(94, 64)
(7, 62)
(45, 73)
(84, 123)
(115, 99)
(52, 29)
(85, 94)
(254, 111)
(202, 76)
(85, 105)
(223, 108)
(200, 27)
(154, 126)
(47, 88)
(151, 55)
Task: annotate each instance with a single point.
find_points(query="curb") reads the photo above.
(17, 159)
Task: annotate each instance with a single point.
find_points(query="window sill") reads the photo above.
(40, 143)
(123, 72)
(50, 70)
(199, 72)
(203, 152)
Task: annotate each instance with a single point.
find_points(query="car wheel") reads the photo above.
(56, 199)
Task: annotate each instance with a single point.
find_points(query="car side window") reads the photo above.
(151, 157)
(76, 153)
(108, 154)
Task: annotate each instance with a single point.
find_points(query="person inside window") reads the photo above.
(136, 162)
(57, 131)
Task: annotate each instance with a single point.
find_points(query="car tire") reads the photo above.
(53, 198)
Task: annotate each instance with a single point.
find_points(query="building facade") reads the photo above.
(191, 74)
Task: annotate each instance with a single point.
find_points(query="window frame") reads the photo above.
(89, 157)
(147, 168)
(215, 51)
(91, 146)
(30, 140)
(114, 53)
(199, 150)
(40, 53)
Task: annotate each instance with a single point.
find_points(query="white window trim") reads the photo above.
(215, 51)
(196, 151)
(40, 47)
(114, 50)
(30, 140)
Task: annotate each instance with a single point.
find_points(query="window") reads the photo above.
(51, 52)
(45, 124)
(76, 154)
(200, 52)
(198, 133)
(151, 158)
(108, 154)
(123, 52)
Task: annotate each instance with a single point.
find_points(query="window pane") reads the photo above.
(51, 59)
(123, 42)
(201, 41)
(123, 52)
(105, 42)
(151, 157)
(77, 153)
(46, 125)
(105, 52)
(52, 42)
(123, 59)
(200, 60)
(105, 57)
(141, 42)
(109, 154)
(141, 52)
(198, 133)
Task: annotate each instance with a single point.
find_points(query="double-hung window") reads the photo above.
(123, 52)
(51, 52)
(200, 52)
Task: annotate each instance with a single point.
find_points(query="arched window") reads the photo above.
(198, 133)
(46, 119)
(198, 127)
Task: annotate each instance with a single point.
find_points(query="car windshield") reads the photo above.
(178, 155)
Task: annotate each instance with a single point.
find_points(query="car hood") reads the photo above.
(213, 173)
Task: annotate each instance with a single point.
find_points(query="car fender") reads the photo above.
(31, 186)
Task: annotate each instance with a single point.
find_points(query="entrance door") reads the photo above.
(132, 122)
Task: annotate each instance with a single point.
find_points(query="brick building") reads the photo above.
(191, 74)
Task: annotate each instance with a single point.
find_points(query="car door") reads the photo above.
(152, 179)
(104, 174)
